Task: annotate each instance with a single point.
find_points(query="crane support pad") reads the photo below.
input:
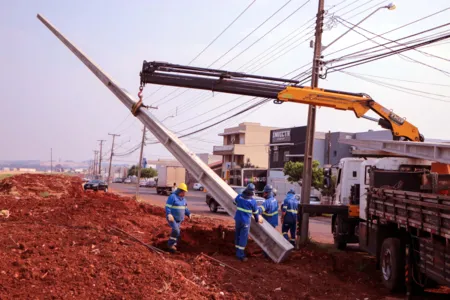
(270, 240)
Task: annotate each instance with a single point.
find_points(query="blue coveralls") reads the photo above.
(269, 210)
(290, 206)
(177, 207)
(246, 206)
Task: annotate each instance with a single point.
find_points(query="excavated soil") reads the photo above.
(60, 242)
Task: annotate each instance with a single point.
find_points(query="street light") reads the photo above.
(390, 6)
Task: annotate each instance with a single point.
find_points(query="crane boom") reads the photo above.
(279, 89)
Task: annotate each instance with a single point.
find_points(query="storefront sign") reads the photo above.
(281, 136)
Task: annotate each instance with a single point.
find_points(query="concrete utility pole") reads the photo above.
(110, 158)
(140, 162)
(310, 129)
(51, 160)
(100, 157)
(95, 163)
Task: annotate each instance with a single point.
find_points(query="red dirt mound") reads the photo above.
(43, 186)
(64, 246)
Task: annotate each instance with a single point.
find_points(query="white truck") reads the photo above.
(397, 209)
(169, 177)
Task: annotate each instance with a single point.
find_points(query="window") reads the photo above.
(275, 155)
(339, 177)
(286, 156)
(355, 174)
(334, 153)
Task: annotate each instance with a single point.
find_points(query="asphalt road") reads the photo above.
(320, 227)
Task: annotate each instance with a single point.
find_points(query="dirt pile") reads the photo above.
(66, 247)
(38, 185)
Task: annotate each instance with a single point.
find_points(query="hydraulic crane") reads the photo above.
(280, 90)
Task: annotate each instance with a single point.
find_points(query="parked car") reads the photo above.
(150, 183)
(142, 182)
(96, 185)
(118, 180)
(198, 187)
(214, 206)
(127, 180)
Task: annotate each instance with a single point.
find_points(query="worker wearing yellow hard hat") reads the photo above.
(176, 209)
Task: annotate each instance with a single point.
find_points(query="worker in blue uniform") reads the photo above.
(269, 209)
(289, 216)
(246, 207)
(176, 209)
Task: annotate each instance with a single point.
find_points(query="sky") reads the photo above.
(51, 100)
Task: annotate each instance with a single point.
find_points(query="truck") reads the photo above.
(397, 209)
(244, 176)
(169, 177)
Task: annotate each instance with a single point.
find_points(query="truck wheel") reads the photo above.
(339, 241)
(201, 189)
(213, 206)
(392, 259)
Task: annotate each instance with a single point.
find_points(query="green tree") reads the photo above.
(294, 171)
(145, 173)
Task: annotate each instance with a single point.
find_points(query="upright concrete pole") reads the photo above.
(110, 158)
(100, 158)
(308, 158)
(140, 162)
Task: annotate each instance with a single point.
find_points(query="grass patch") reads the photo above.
(3, 176)
(44, 194)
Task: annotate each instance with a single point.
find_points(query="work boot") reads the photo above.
(243, 259)
(172, 249)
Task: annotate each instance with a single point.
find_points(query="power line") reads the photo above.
(370, 8)
(223, 31)
(417, 50)
(386, 54)
(263, 36)
(397, 79)
(392, 30)
(253, 31)
(213, 41)
(395, 87)
(353, 9)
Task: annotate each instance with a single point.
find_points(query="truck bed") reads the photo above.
(426, 217)
(428, 212)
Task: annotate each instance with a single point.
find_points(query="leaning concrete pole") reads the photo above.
(271, 241)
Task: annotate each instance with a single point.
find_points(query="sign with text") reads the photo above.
(281, 136)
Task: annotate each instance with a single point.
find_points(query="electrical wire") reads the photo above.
(417, 50)
(397, 87)
(268, 32)
(212, 42)
(383, 55)
(249, 34)
(353, 9)
(370, 8)
(397, 79)
(392, 30)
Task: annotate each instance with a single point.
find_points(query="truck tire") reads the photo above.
(339, 241)
(392, 260)
(213, 206)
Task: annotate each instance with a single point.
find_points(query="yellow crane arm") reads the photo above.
(358, 103)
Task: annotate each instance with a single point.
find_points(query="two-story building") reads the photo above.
(244, 144)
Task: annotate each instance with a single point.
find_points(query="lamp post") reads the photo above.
(390, 6)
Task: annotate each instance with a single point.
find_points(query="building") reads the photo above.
(213, 161)
(244, 144)
(288, 144)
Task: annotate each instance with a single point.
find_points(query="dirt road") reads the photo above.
(319, 226)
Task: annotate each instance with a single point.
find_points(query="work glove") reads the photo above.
(260, 220)
(170, 218)
(190, 217)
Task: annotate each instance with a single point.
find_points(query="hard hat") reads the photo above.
(274, 191)
(182, 186)
(250, 187)
(291, 191)
(268, 188)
